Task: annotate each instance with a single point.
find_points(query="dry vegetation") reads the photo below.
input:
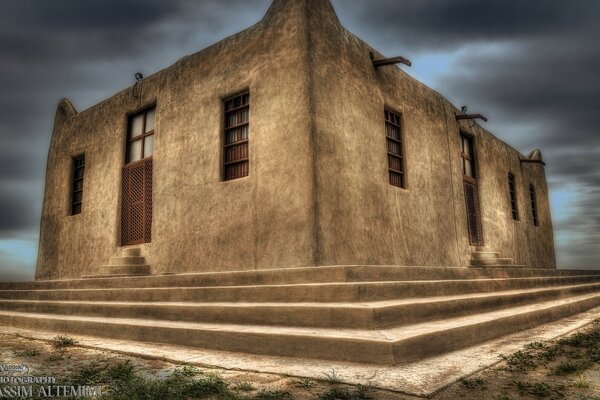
(565, 369)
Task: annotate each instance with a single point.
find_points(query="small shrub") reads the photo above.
(550, 353)
(61, 342)
(473, 383)
(243, 386)
(59, 355)
(581, 339)
(28, 353)
(332, 376)
(304, 383)
(535, 346)
(520, 361)
(123, 371)
(593, 353)
(91, 374)
(582, 383)
(209, 385)
(570, 367)
(539, 389)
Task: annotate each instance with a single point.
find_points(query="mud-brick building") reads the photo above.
(288, 144)
(289, 192)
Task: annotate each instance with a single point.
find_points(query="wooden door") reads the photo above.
(136, 208)
(136, 179)
(469, 172)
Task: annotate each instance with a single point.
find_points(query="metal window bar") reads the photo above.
(236, 158)
(77, 185)
(513, 197)
(534, 214)
(395, 154)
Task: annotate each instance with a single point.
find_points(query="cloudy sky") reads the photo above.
(532, 67)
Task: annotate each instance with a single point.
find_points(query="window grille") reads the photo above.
(235, 144)
(534, 214)
(77, 186)
(395, 151)
(513, 197)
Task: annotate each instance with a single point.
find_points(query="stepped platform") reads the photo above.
(378, 315)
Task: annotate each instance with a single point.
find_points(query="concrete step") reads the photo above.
(322, 274)
(388, 347)
(491, 261)
(311, 292)
(123, 269)
(129, 260)
(132, 252)
(367, 315)
(481, 255)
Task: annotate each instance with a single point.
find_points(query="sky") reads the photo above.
(531, 67)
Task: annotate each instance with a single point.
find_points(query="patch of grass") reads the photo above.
(59, 355)
(570, 367)
(62, 341)
(337, 393)
(539, 389)
(582, 383)
(28, 353)
(243, 386)
(521, 361)
(122, 371)
(535, 346)
(304, 383)
(550, 353)
(593, 354)
(91, 374)
(332, 376)
(582, 339)
(272, 395)
(123, 383)
(473, 383)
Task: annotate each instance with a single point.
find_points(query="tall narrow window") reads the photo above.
(393, 133)
(141, 135)
(513, 197)
(468, 156)
(235, 151)
(534, 214)
(77, 187)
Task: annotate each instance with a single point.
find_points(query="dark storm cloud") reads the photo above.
(442, 24)
(530, 66)
(19, 212)
(85, 50)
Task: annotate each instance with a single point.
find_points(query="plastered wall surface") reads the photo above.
(317, 192)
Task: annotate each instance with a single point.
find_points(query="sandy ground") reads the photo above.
(503, 381)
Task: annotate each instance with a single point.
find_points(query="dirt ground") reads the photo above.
(561, 369)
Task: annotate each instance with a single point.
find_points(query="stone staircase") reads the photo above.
(131, 263)
(384, 315)
(481, 257)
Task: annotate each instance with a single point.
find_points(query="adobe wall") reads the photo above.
(362, 219)
(317, 192)
(199, 221)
